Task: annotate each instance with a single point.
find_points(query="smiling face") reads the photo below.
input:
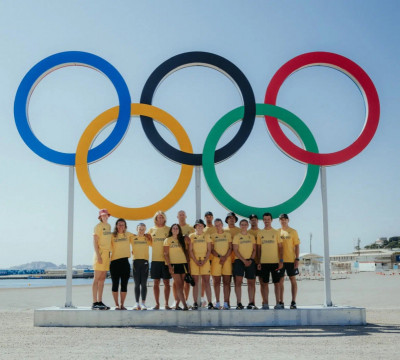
(199, 229)
(244, 226)
(121, 226)
(218, 225)
(141, 229)
(284, 223)
(160, 220)
(267, 221)
(181, 217)
(209, 219)
(254, 222)
(175, 230)
(231, 221)
(104, 218)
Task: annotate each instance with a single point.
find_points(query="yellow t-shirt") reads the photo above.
(245, 243)
(187, 230)
(103, 231)
(140, 248)
(176, 254)
(221, 242)
(121, 246)
(233, 231)
(269, 240)
(159, 234)
(199, 243)
(210, 230)
(254, 233)
(290, 239)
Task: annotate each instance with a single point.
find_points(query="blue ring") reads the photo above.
(51, 63)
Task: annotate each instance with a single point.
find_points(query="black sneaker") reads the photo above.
(103, 306)
(293, 305)
(95, 306)
(251, 306)
(239, 306)
(210, 306)
(195, 306)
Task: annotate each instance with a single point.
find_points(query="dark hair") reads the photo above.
(242, 221)
(267, 214)
(180, 236)
(115, 232)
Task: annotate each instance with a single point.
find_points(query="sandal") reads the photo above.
(185, 308)
(123, 308)
(177, 307)
(166, 307)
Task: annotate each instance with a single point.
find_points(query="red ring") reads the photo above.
(363, 82)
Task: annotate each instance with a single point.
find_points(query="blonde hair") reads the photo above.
(162, 213)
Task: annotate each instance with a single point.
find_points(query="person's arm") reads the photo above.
(280, 253)
(208, 253)
(259, 256)
(213, 251)
(167, 260)
(187, 242)
(297, 252)
(253, 253)
(97, 249)
(149, 239)
(191, 254)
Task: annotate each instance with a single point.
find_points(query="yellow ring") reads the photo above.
(82, 168)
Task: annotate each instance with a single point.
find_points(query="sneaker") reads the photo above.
(239, 306)
(95, 306)
(210, 306)
(195, 306)
(251, 306)
(143, 306)
(279, 306)
(293, 305)
(136, 307)
(217, 305)
(265, 306)
(203, 302)
(226, 306)
(103, 306)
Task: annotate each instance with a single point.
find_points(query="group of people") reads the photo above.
(206, 249)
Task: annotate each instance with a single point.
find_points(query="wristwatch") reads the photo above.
(297, 259)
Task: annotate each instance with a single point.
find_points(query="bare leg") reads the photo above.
(156, 290)
(186, 289)
(238, 288)
(251, 289)
(178, 280)
(277, 289)
(98, 285)
(206, 281)
(167, 290)
(123, 297)
(115, 296)
(227, 287)
(176, 297)
(282, 288)
(264, 292)
(217, 287)
(293, 282)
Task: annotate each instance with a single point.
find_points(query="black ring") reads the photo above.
(201, 59)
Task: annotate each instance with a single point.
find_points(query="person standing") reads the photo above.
(231, 219)
(159, 232)
(140, 268)
(120, 269)
(209, 229)
(270, 253)
(186, 231)
(176, 259)
(253, 218)
(101, 259)
(200, 250)
(291, 251)
(221, 264)
(244, 247)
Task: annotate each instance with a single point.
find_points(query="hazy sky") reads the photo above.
(136, 37)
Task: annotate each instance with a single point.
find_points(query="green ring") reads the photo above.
(227, 200)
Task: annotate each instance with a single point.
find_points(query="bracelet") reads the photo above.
(297, 259)
(280, 260)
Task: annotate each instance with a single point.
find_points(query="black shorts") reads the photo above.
(159, 270)
(272, 269)
(180, 268)
(290, 270)
(249, 272)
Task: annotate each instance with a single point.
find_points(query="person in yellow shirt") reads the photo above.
(270, 253)
(101, 258)
(176, 259)
(221, 265)
(244, 247)
(140, 268)
(231, 219)
(291, 250)
(120, 269)
(159, 232)
(209, 229)
(186, 231)
(253, 219)
(200, 250)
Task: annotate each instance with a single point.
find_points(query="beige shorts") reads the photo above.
(200, 270)
(105, 266)
(217, 269)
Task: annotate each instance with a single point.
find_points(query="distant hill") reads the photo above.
(37, 265)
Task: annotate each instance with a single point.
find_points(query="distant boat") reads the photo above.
(35, 277)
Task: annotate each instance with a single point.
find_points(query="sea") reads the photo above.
(31, 283)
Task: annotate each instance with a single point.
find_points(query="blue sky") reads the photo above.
(136, 37)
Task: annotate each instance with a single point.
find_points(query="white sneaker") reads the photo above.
(173, 305)
(203, 302)
(217, 305)
(136, 307)
(226, 306)
(143, 306)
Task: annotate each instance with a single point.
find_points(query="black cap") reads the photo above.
(208, 213)
(283, 216)
(253, 216)
(199, 221)
(229, 215)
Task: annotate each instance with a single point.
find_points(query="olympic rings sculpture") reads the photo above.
(148, 113)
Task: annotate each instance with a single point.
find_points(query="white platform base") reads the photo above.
(303, 316)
